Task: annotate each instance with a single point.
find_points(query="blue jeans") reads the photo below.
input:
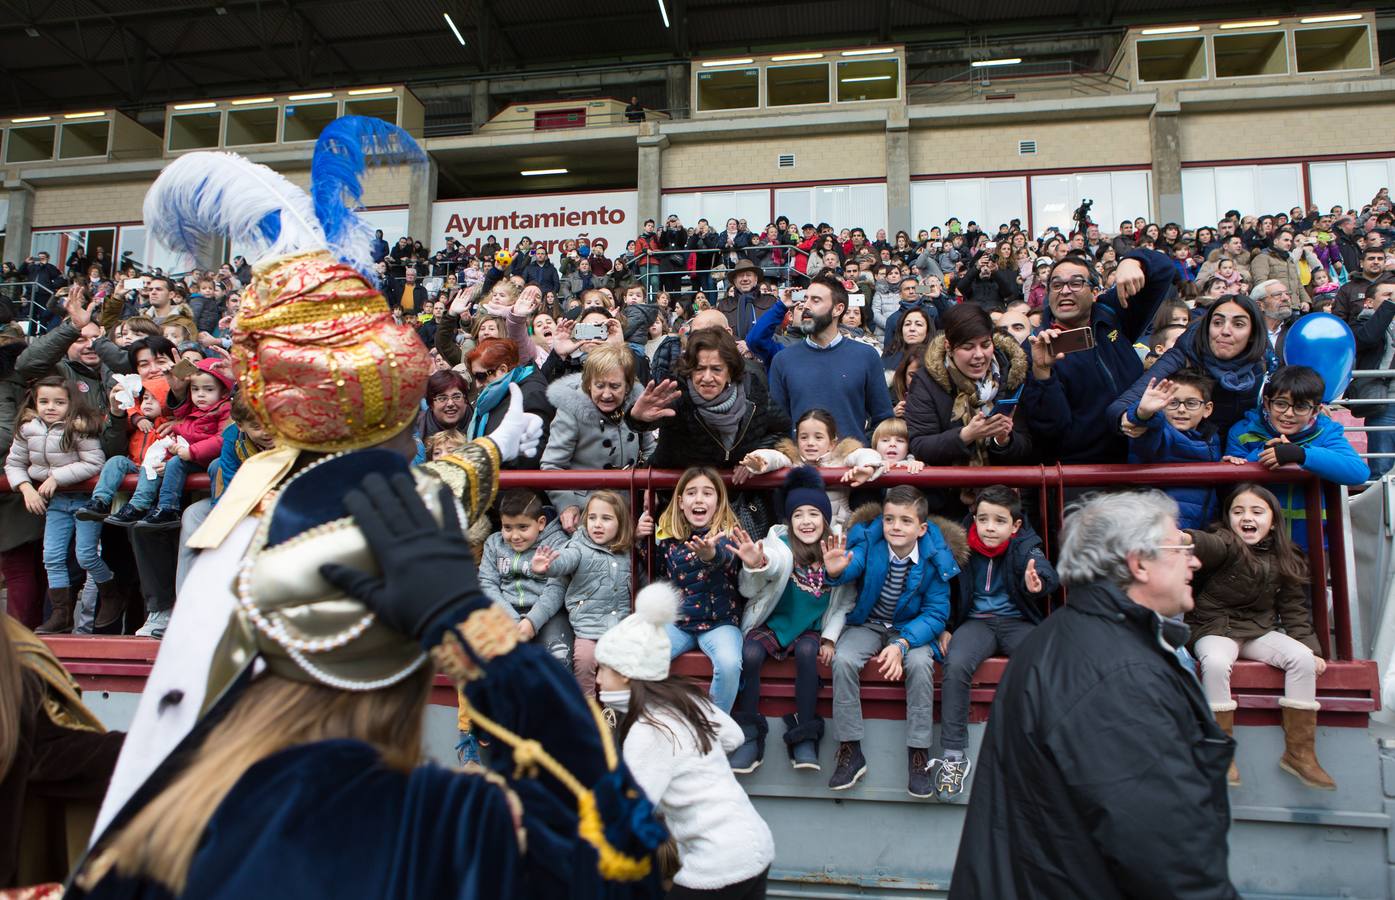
(109, 482)
(723, 646)
(59, 526)
(172, 483)
(1381, 441)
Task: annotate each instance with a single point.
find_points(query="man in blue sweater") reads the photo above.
(828, 371)
(1067, 396)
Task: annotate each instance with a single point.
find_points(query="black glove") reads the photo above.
(427, 568)
(1289, 453)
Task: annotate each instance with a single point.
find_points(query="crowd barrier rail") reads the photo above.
(1349, 689)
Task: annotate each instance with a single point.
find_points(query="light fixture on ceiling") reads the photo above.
(865, 78)
(1340, 17)
(727, 62)
(83, 115)
(31, 31)
(246, 101)
(359, 92)
(203, 104)
(1256, 23)
(868, 51)
(530, 172)
(663, 12)
(1172, 29)
(453, 30)
(985, 63)
(318, 95)
(220, 10)
(28, 119)
(791, 57)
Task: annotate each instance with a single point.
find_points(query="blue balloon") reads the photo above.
(1324, 343)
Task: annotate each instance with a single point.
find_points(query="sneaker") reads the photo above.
(126, 516)
(161, 519)
(94, 511)
(849, 767)
(918, 773)
(746, 758)
(948, 776)
(155, 624)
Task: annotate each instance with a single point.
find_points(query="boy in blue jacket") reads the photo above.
(906, 567)
(1181, 434)
(1289, 429)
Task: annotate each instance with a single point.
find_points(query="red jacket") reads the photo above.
(203, 428)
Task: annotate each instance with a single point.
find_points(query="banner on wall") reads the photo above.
(607, 218)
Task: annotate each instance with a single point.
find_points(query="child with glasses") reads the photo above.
(1289, 428)
(1175, 411)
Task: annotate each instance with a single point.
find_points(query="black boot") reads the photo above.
(60, 617)
(94, 511)
(748, 757)
(802, 741)
(111, 603)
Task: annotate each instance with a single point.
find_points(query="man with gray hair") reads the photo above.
(1102, 771)
(1278, 305)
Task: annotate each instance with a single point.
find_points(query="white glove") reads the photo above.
(520, 432)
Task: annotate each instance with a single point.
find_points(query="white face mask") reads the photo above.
(616, 700)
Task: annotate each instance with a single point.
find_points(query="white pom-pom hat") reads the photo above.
(638, 647)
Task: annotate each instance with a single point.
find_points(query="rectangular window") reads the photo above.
(84, 139)
(194, 131)
(305, 121)
(869, 79)
(252, 126)
(1173, 59)
(1332, 49)
(796, 85)
(384, 108)
(728, 89)
(840, 205)
(1207, 192)
(30, 144)
(1245, 55)
(1116, 196)
(987, 202)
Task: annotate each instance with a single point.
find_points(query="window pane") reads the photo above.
(1238, 55)
(384, 108)
(30, 144)
(252, 126)
(869, 79)
(728, 89)
(1332, 49)
(305, 121)
(84, 139)
(1175, 59)
(792, 85)
(194, 131)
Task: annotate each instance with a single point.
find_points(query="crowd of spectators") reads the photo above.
(723, 350)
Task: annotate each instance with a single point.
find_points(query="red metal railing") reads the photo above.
(1051, 483)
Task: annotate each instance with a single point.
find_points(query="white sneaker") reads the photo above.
(948, 776)
(155, 624)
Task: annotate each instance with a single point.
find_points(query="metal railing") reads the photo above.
(1328, 548)
(1034, 80)
(31, 301)
(461, 126)
(1365, 406)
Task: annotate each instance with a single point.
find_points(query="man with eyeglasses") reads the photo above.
(1102, 771)
(1067, 397)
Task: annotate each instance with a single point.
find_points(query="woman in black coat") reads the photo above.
(716, 411)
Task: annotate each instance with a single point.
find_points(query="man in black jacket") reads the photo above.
(985, 284)
(1102, 771)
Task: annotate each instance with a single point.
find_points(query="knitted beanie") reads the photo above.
(638, 647)
(803, 487)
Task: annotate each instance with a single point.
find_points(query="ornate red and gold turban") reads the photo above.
(320, 358)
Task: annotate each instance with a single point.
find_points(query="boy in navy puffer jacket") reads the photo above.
(1180, 434)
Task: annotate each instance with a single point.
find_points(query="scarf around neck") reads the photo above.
(977, 545)
(723, 413)
(494, 393)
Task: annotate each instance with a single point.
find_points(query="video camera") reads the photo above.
(1082, 213)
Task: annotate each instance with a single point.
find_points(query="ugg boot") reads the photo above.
(60, 617)
(1225, 717)
(802, 741)
(748, 757)
(111, 603)
(1300, 732)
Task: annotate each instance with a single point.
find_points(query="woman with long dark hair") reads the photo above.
(55, 757)
(675, 742)
(1229, 343)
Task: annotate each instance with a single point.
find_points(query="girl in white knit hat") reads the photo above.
(675, 743)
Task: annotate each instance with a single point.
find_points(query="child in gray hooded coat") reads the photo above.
(507, 576)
